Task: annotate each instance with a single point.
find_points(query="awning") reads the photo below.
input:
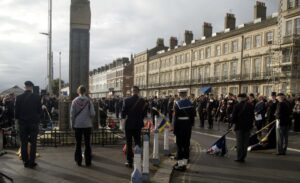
(205, 89)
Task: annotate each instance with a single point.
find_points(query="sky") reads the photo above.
(118, 28)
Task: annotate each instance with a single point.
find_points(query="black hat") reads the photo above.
(28, 83)
(280, 94)
(273, 94)
(242, 95)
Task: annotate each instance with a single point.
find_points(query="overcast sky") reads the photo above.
(119, 28)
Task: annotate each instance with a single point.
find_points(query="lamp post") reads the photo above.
(49, 52)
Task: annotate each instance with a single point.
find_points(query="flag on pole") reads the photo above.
(163, 124)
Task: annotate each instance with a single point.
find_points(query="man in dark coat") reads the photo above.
(272, 104)
(242, 118)
(134, 111)
(202, 110)
(283, 122)
(184, 119)
(210, 110)
(28, 109)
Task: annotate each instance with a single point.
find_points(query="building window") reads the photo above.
(224, 90)
(255, 89)
(234, 46)
(267, 90)
(257, 41)
(225, 48)
(195, 55)
(225, 71)
(297, 25)
(286, 56)
(267, 66)
(247, 43)
(256, 67)
(187, 57)
(201, 54)
(290, 4)
(269, 38)
(207, 52)
(288, 28)
(218, 50)
(233, 90)
(217, 71)
(233, 70)
(245, 69)
(245, 89)
(206, 74)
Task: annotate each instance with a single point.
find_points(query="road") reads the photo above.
(260, 166)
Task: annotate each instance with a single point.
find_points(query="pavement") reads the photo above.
(57, 164)
(260, 166)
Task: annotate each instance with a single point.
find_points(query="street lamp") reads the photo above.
(49, 52)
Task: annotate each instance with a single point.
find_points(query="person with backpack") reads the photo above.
(81, 113)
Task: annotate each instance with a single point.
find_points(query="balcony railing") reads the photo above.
(294, 38)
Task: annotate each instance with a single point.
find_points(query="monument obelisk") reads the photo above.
(80, 23)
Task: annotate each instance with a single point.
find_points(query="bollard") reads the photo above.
(155, 158)
(146, 176)
(136, 176)
(138, 158)
(166, 141)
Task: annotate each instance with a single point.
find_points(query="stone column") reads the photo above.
(64, 115)
(80, 21)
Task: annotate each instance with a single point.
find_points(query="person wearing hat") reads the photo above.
(28, 109)
(271, 108)
(296, 115)
(242, 118)
(184, 118)
(231, 102)
(283, 121)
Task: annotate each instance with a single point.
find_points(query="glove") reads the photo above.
(44, 107)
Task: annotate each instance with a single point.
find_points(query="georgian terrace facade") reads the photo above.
(245, 58)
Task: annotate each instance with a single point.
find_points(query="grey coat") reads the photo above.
(84, 118)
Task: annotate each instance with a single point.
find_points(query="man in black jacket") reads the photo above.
(134, 110)
(28, 111)
(283, 121)
(242, 117)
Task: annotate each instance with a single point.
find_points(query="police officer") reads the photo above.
(28, 111)
(202, 110)
(183, 121)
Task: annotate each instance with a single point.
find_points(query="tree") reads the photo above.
(55, 86)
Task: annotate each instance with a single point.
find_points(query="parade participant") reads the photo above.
(28, 109)
(252, 99)
(283, 112)
(210, 110)
(154, 108)
(296, 115)
(102, 112)
(171, 109)
(202, 110)
(272, 104)
(242, 118)
(229, 109)
(184, 118)
(259, 112)
(81, 113)
(133, 112)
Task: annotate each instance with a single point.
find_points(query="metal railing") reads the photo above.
(56, 138)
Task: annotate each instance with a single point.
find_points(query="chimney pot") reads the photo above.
(188, 37)
(173, 42)
(207, 30)
(260, 10)
(230, 21)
